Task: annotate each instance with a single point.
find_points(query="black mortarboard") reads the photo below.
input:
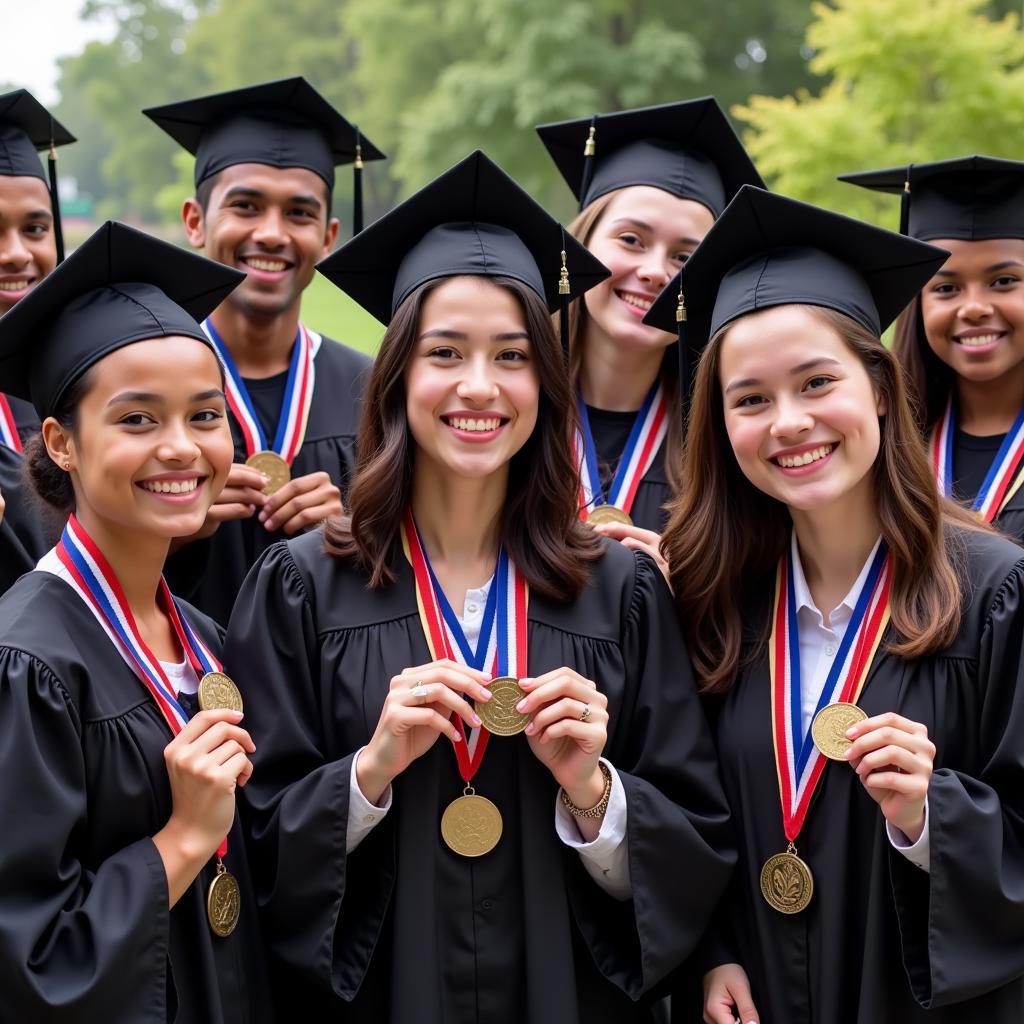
(120, 286)
(971, 198)
(473, 219)
(767, 250)
(286, 123)
(688, 149)
(27, 128)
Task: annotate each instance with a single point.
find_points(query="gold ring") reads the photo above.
(586, 713)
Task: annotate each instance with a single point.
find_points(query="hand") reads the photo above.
(241, 496)
(727, 996)
(567, 746)
(410, 723)
(635, 539)
(893, 758)
(302, 502)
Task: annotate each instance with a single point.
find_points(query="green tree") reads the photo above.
(907, 83)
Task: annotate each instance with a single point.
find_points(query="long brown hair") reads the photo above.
(725, 536)
(582, 228)
(930, 379)
(540, 525)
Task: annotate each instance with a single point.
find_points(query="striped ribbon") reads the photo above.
(9, 435)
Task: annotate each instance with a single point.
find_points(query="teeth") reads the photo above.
(467, 423)
(13, 286)
(272, 265)
(171, 486)
(804, 458)
(635, 300)
(979, 340)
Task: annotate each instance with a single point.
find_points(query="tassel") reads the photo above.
(685, 369)
(58, 230)
(905, 205)
(563, 305)
(357, 188)
(589, 150)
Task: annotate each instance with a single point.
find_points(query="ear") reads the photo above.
(881, 406)
(331, 235)
(194, 219)
(60, 445)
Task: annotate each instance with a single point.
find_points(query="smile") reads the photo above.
(804, 458)
(979, 340)
(637, 301)
(474, 424)
(270, 266)
(171, 486)
(15, 286)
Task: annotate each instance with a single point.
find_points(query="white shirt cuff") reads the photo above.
(606, 858)
(917, 853)
(363, 817)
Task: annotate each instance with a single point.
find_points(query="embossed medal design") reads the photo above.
(787, 883)
(471, 825)
(223, 902)
(217, 690)
(499, 714)
(273, 467)
(829, 728)
(608, 514)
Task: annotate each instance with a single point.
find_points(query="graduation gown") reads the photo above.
(85, 930)
(610, 431)
(24, 531)
(972, 457)
(405, 930)
(883, 941)
(210, 572)
(26, 419)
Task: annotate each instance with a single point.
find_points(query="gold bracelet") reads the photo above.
(597, 811)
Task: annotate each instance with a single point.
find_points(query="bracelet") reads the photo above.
(597, 811)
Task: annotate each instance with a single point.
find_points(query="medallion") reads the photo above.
(217, 690)
(608, 514)
(499, 714)
(829, 728)
(786, 882)
(223, 902)
(471, 825)
(273, 467)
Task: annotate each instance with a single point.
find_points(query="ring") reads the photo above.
(586, 713)
(420, 691)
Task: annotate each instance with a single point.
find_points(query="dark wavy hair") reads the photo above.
(540, 525)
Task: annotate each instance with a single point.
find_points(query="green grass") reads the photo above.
(331, 312)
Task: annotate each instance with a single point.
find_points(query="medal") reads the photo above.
(9, 435)
(471, 824)
(79, 562)
(642, 446)
(217, 690)
(1004, 477)
(786, 881)
(499, 714)
(274, 461)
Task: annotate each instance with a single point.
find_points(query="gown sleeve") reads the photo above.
(76, 943)
(679, 836)
(322, 909)
(962, 922)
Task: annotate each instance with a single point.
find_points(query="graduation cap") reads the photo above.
(26, 129)
(688, 149)
(971, 198)
(119, 287)
(475, 220)
(767, 250)
(286, 123)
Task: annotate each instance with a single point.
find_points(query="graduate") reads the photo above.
(484, 788)
(858, 636)
(264, 176)
(962, 338)
(124, 892)
(650, 183)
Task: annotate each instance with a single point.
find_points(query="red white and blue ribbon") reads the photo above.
(502, 643)
(9, 435)
(645, 438)
(298, 396)
(799, 764)
(1005, 476)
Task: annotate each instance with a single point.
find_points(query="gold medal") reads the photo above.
(829, 728)
(499, 714)
(608, 514)
(471, 825)
(786, 882)
(273, 467)
(223, 902)
(216, 690)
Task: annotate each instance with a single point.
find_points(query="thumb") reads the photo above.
(742, 999)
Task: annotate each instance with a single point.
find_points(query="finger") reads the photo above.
(298, 485)
(427, 718)
(639, 545)
(589, 736)
(445, 663)
(245, 775)
(241, 475)
(233, 768)
(225, 513)
(532, 682)
(241, 496)
(623, 532)
(565, 686)
(438, 696)
(888, 720)
(329, 497)
(886, 736)
(913, 787)
(897, 757)
(197, 725)
(460, 682)
(225, 751)
(310, 517)
(221, 732)
(567, 707)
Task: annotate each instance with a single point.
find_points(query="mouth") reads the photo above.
(638, 304)
(179, 490)
(978, 341)
(475, 427)
(806, 460)
(265, 266)
(15, 287)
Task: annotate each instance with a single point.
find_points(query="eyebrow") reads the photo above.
(810, 364)
(241, 192)
(40, 214)
(151, 398)
(988, 270)
(441, 332)
(643, 226)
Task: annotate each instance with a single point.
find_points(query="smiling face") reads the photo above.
(272, 223)
(152, 447)
(800, 410)
(643, 237)
(973, 308)
(28, 250)
(472, 391)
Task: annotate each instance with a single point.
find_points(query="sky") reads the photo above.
(35, 34)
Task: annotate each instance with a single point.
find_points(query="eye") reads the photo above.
(682, 257)
(137, 419)
(243, 205)
(302, 213)
(1005, 281)
(818, 382)
(443, 352)
(630, 239)
(944, 289)
(513, 355)
(750, 401)
(208, 416)
(37, 230)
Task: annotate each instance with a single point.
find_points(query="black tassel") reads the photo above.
(905, 205)
(685, 361)
(357, 188)
(588, 162)
(563, 304)
(58, 230)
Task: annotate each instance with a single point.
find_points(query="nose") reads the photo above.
(974, 305)
(656, 269)
(270, 230)
(177, 444)
(14, 254)
(477, 383)
(791, 419)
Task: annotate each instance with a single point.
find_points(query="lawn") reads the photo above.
(331, 312)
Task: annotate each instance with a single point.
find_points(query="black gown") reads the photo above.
(883, 941)
(972, 457)
(25, 529)
(85, 932)
(26, 419)
(405, 930)
(210, 572)
(610, 431)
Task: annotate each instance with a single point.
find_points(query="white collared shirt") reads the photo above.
(819, 647)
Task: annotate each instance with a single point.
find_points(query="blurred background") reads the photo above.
(814, 89)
